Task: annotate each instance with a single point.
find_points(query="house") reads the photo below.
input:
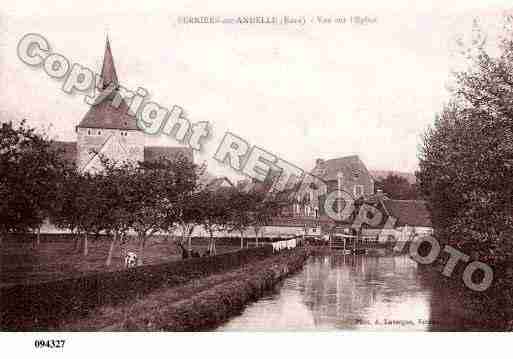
(406, 219)
(110, 130)
(412, 217)
(347, 174)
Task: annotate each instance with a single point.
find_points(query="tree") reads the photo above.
(466, 159)
(115, 203)
(212, 212)
(181, 199)
(30, 170)
(77, 205)
(145, 201)
(397, 187)
(266, 205)
(239, 211)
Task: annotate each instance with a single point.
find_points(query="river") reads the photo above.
(349, 292)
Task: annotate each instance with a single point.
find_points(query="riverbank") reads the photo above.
(378, 249)
(200, 304)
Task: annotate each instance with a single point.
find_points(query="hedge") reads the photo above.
(42, 306)
(209, 308)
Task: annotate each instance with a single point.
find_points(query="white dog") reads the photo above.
(130, 259)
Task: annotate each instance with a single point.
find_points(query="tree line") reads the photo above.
(145, 198)
(466, 159)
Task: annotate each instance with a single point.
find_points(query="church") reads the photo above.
(111, 131)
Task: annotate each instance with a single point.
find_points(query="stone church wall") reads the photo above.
(90, 140)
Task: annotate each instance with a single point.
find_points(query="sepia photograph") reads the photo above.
(342, 170)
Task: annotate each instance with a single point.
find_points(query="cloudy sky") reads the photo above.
(300, 91)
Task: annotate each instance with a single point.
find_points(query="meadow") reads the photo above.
(58, 256)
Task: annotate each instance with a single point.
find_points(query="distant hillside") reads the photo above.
(410, 177)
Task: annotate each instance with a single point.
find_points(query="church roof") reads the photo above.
(108, 112)
(108, 69)
(154, 153)
(104, 115)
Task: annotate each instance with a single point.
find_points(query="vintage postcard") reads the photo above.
(267, 167)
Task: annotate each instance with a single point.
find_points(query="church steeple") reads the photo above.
(106, 113)
(108, 70)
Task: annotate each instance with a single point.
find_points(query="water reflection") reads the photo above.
(344, 292)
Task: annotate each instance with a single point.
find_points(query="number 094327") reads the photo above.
(49, 343)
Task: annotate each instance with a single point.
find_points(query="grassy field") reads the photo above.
(199, 304)
(58, 259)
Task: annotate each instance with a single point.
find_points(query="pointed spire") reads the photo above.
(108, 70)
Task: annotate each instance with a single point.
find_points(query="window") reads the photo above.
(358, 191)
(99, 132)
(89, 132)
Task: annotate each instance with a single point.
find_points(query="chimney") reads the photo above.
(319, 162)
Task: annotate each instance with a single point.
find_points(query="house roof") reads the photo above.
(412, 213)
(67, 150)
(349, 166)
(154, 153)
(108, 112)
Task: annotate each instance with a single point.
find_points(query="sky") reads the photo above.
(300, 92)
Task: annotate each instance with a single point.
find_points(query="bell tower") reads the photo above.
(108, 129)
